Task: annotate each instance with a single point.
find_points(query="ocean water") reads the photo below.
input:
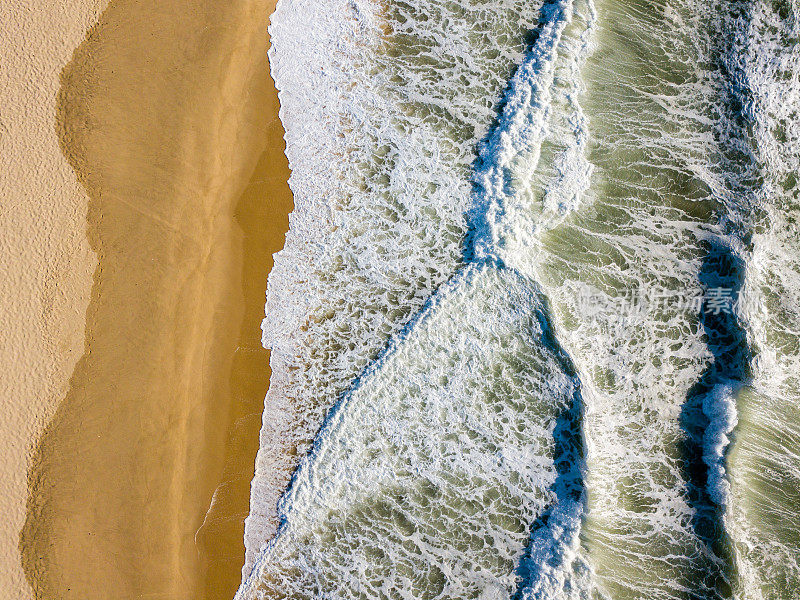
(536, 328)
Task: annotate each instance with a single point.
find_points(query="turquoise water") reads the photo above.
(535, 329)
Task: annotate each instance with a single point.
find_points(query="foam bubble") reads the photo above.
(688, 180)
(381, 133)
(719, 406)
(431, 474)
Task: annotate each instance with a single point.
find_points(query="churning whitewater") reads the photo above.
(535, 330)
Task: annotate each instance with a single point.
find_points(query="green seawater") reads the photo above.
(549, 342)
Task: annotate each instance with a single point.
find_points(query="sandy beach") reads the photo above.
(45, 258)
(139, 266)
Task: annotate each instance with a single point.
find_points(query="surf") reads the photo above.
(602, 254)
(460, 447)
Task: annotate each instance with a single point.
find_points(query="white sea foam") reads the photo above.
(500, 221)
(380, 138)
(429, 476)
(439, 378)
(552, 567)
(719, 406)
(688, 180)
(663, 215)
(764, 464)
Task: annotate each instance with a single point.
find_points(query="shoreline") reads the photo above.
(168, 116)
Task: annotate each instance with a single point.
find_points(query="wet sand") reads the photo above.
(167, 114)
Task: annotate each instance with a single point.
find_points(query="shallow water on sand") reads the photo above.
(536, 304)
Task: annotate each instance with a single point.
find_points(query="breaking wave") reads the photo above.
(536, 328)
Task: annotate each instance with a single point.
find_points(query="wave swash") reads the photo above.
(535, 330)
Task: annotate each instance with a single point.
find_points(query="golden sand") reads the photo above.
(168, 116)
(46, 263)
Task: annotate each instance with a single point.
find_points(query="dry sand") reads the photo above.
(169, 118)
(46, 264)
